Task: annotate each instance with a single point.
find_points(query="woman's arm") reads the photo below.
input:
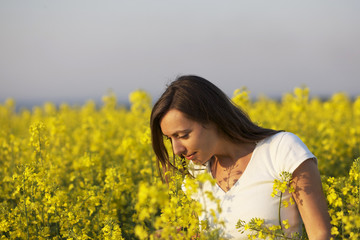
(311, 201)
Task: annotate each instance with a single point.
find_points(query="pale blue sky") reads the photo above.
(75, 50)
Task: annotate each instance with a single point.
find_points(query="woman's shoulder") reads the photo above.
(282, 141)
(286, 150)
(281, 137)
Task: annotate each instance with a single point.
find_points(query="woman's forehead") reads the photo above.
(174, 120)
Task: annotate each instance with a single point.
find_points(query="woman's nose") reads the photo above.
(178, 148)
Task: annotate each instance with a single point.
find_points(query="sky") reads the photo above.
(76, 50)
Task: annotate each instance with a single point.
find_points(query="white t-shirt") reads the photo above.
(251, 195)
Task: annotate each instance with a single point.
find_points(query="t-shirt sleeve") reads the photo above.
(291, 152)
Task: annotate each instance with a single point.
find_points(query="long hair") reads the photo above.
(203, 102)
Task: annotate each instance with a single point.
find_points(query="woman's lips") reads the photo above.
(191, 156)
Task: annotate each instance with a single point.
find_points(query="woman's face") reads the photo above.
(195, 141)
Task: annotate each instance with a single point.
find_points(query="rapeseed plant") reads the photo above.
(262, 230)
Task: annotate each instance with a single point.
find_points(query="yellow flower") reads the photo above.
(4, 226)
(140, 232)
(259, 222)
(286, 223)
(334, 231)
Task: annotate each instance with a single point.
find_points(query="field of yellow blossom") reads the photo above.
(88, 172)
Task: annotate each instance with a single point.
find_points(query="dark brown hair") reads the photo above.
(201, 101)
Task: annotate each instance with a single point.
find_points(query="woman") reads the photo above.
(205, 127)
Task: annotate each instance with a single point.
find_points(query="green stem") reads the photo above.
(358, 196)
(280, 211)
(152, 168)
(26, 216)
(358, 210)
(275, 235)
(40, 156)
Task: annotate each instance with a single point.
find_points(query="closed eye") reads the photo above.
(185, 136)
(177, 135)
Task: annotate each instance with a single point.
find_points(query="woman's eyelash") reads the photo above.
(184, 136)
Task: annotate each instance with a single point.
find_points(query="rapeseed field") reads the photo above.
(89, 172)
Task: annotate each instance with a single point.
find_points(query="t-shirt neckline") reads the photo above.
(240, 179)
